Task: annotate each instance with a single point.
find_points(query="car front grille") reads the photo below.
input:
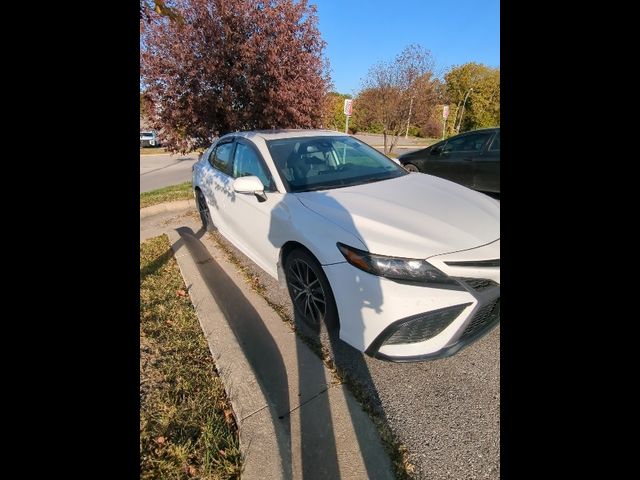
(484, 318)
(479, 284)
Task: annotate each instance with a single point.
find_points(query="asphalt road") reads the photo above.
(162, 170)
(157, 171)
(446, 412)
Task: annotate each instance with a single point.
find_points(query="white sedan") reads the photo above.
(406, 266)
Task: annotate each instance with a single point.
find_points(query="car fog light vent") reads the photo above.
(424, 326)
(486, 317)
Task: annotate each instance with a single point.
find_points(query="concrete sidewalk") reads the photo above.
(295, 421)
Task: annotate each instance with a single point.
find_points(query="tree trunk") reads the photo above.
(394, 140)
(455, 117)
(384, 135)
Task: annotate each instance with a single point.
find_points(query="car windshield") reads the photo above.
(321, 163)
(146, 134)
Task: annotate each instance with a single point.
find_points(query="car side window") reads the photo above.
(495, 145)
(221, 156)
(247, 162)
(453, 145)
(468, 143)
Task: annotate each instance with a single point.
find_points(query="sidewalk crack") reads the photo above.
(307, 401)
(253, 413)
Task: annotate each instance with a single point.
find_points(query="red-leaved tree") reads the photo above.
(231, 65)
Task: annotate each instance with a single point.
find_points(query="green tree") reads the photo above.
(473, 91)
(333, 117)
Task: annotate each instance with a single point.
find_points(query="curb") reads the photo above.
(176, 206)
(258, 439)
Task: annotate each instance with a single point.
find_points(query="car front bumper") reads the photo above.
(377, 313)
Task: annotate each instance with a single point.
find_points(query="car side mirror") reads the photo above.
(250, 184)
(436, 150)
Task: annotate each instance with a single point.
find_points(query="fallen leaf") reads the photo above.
(182, 293)
(192, 471)
(160, 440)
(228, 416)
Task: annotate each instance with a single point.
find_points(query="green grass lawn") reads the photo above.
(187, 428)
(172, 193)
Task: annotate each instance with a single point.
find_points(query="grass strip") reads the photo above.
(182, 191)
(187, 426)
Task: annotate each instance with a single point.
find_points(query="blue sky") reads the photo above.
(360, 33)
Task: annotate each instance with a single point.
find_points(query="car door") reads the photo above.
(216, 182)
(487, 167)
(455, 160)
(248, 217)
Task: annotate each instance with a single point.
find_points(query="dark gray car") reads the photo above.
(471, 159)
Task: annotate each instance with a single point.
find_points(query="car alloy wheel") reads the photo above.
(308, 295)
(411, 167)
(310, 290)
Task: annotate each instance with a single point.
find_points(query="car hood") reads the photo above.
(415, 216)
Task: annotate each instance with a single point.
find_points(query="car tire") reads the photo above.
(203, 210)
(310, 291)
(411, 167)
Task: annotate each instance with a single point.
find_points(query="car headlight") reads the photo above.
(397, 268)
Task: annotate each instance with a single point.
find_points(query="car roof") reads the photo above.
(489, 129)
(277, 134)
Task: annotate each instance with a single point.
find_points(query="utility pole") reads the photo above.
(406, 134)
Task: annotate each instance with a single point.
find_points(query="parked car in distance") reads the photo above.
(405, 267)
(471, 159)
(149, 139)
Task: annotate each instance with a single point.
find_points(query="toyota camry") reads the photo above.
(406, 266)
